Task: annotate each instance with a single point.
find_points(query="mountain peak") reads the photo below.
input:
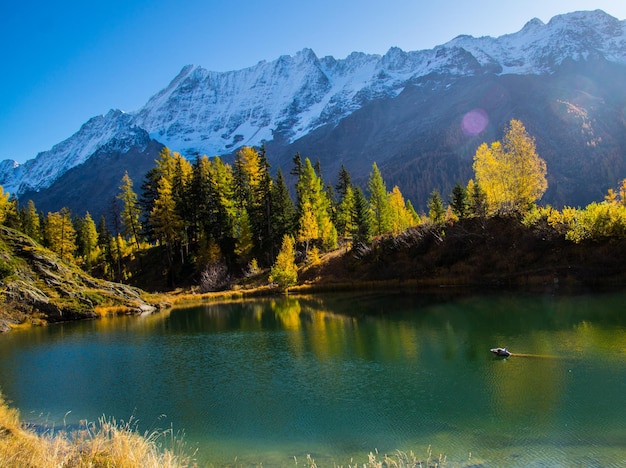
(533, 25)
(215, 113)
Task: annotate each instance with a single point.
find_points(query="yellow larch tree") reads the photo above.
(511, 173)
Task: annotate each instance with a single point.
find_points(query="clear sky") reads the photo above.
(64, 62)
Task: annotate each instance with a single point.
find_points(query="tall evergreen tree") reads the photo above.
(222, 206)
(362, 219)
(284, 271)
(459, 201)
(60, 235)
(252, 191)
(344, 181)
(282, 213)
(87, 240)
(411, 210)
(297, 166)
(379, 202)
(149, 193)
(243, 235)
(400, 218)
(165, 219)
(436, 210)
(312, 196)
(131, 211)
(344, 218)
(31, 223)
(105, 242)
(477, 200)
(5, 205)
(198, 196)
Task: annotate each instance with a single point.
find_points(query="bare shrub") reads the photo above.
(215, 277)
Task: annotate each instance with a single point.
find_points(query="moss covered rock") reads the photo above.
(35, 285)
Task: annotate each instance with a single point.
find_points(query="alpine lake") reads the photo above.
(337, 376)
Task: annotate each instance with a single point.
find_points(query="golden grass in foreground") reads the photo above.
(104, 444)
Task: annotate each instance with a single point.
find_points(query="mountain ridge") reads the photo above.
(289, 99)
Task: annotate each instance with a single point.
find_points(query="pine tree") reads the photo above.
(198, 197)
(5, 205)
(379, 202)
(282, 213)
(105, 242)
(243, 235)
(11, 211)
(31, 223)
(313, 200)
(309, 229)
(345, 221)
(165, 220)
(361, 219)
(222, 206)
(284, 272)
(149, 193)
(252, 183)
(459, 202)
(131, 211)
(87, 240)
(60, 235)
(436, 210)
(344, 181)
(165, 164)
(414, 215)
(400, 218)
(477, 200)
(297, 166)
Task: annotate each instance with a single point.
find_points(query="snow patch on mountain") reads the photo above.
(114, 130)
(205, 112)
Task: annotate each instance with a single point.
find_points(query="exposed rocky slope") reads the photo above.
(35, 284)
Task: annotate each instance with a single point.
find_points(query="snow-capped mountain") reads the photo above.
(204, 112)
(115, 130)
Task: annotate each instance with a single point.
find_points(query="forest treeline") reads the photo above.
(212, 221)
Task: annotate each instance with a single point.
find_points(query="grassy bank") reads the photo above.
(102, 444)
(107, 444)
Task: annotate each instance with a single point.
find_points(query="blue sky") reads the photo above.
(63, 62)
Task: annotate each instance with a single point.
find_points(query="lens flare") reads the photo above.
(474, 122)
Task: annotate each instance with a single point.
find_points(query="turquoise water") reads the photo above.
(340, 376)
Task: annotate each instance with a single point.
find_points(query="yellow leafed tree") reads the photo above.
(400, 218)
(4, 204)
(511, 173)
(284, 271)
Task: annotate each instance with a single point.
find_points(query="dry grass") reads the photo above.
(398, 460)
(102, 444)
(105, 311)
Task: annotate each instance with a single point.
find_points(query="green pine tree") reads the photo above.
(436, 210)
(31, 223)
(379, 202)
(131, 211)
(459, 201)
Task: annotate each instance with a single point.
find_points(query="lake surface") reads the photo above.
(340, 376)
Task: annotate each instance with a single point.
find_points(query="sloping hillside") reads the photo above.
(36, 285)
(495, 252)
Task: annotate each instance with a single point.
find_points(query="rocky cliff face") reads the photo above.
(36, 284)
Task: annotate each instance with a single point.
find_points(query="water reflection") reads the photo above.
(340, 375)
